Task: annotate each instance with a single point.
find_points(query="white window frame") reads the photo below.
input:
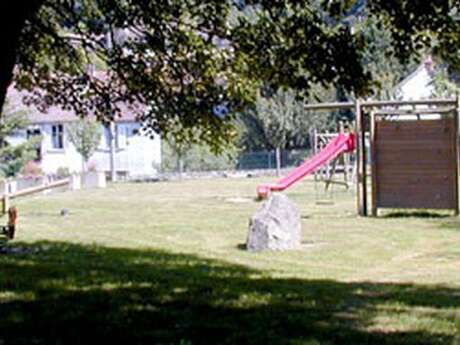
(57, 131)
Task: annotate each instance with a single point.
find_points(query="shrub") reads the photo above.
(92, 166)
(62, 172)
(32, 168)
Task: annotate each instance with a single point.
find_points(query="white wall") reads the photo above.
(53, 159)
(136, 155)
(417, 86)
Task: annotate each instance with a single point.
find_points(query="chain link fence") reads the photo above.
(267, 159)
(259, 160)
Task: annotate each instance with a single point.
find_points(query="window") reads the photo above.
(57, 136)
(122, 136)
(106, 137)
(33, 133)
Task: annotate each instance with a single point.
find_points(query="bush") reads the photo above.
(62, 172)
(92, 166)
(197, 158)
(32, 168)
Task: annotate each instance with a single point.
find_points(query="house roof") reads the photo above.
(426, 65)
(15, 99)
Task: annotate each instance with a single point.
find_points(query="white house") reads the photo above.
(135, 154)
(417, 85)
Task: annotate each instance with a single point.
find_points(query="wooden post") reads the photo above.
(5, 203)
(340, 127)
(359, 161)
(278, 161)
(373, 165)
(364, 161)
(315, 148)
(330, 178)
(457, 157)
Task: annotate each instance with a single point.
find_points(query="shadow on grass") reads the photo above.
(453, 224)
(241, 246)
(416, 214)
(73, 294)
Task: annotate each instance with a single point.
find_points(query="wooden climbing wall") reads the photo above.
(414, 164)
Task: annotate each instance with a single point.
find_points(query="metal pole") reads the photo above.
(359, 161)
(457, 157)
(112, 131)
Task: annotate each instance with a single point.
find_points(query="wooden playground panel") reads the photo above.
(414, 153)
(414, 164)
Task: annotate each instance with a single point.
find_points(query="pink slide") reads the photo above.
(340, 144)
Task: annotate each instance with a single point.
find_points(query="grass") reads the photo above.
(162, 264)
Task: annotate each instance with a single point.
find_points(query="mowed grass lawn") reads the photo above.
(163, 263)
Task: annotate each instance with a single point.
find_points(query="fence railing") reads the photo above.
(15, 189)
(37, 189)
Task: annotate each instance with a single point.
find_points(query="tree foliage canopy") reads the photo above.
(198, 62)
(282, 121)
(14, 157)
(184, 59)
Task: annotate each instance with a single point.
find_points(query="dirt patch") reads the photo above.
(239, 200)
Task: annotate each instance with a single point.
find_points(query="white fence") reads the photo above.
(20, 187)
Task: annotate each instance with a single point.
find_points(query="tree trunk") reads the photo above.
(83, 165)
(12, 20)
(113, 168)
(180, 166)
(278, 161)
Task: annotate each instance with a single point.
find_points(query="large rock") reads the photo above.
(275, 226)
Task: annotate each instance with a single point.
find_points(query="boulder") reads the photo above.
(275, 226)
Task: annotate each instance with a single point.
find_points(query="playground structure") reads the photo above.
(344, 142)
(9, 230)
(342, 164)
(337, 174)
(414, 154)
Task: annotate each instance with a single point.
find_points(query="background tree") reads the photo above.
(14, 157)
(176, 150)
(85, 135)
(379, 58)
(13, 19)
(196, 158)
(181, 57)
(180, 155)
(282, 122)
(417, 25)
(445, 82)
(185, 57)
(252, 129)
